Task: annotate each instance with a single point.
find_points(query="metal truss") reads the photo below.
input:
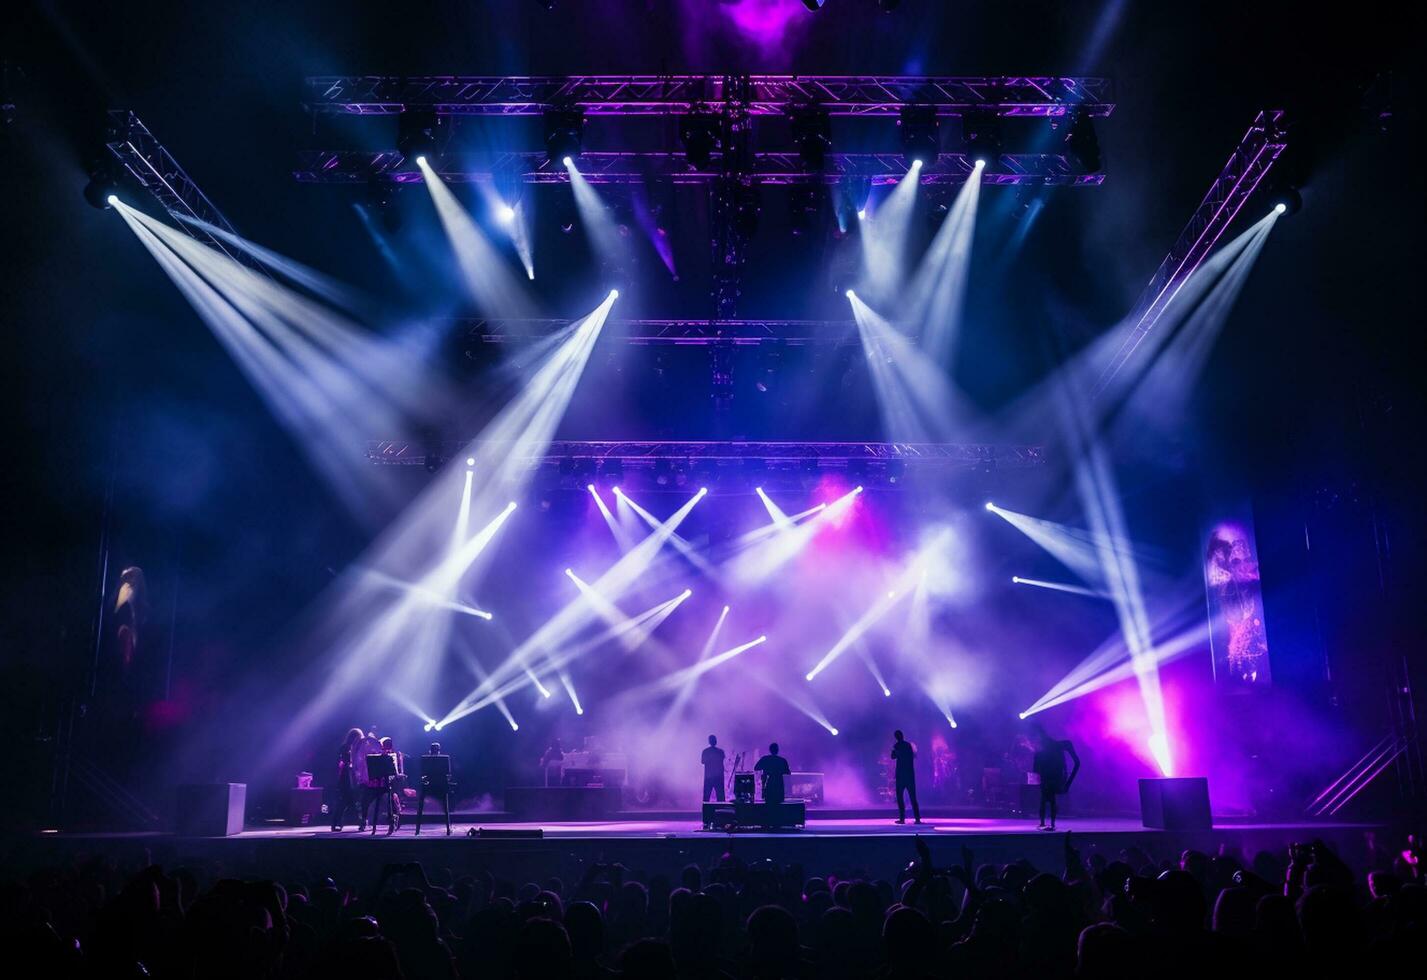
(1235, 184)
(636, 95)
(674, 333)
(359, 166)
(829, 455)
(157, 172)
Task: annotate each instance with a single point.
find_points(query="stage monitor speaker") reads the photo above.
(304, 806)
(211, 809)
(498, 833)
(1175, 804)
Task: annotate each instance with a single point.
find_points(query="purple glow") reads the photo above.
(765, 23)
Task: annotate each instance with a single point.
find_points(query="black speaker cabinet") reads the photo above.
(211, 809)
(1175, 804)
(304, 806)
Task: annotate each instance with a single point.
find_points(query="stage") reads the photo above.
(870, 843)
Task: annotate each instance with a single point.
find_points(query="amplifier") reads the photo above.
(304, 806)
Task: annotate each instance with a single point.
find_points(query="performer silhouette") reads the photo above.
(435, 782)
(713, 770)
(905, 754)
(384, 788)
(351, 775)
(774, 768)
(1049, 764)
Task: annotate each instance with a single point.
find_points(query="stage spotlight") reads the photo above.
(1287, 200)
(990, 506)
(981, 135)
(506, 214)
(812, 135)
(705, 471)
(611, 473)
(700, 132)
(429, 725)
(920, 132)
(851, 295)
(470, 461)
(418, 133)
(1016, 579)
(853, 192)
(980, 163)
(513, 726)
(832, 731)
(421, 160)
(614, 294)
(564, 134)
(1022, 716)
(99, 192)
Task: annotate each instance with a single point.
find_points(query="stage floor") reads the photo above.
(691, 828)
(662, 842)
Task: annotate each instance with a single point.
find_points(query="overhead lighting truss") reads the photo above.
(643, 95)
(828, 455)
(769, 169)
(674, 333)
(1236, 183)
(155, 170)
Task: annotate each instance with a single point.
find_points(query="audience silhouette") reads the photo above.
(1110, 917)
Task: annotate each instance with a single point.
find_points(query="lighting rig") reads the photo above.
(1236, 183)
(718, 122)
(739, 466)
(707, 104)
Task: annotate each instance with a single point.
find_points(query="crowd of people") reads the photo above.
(1306, 913)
